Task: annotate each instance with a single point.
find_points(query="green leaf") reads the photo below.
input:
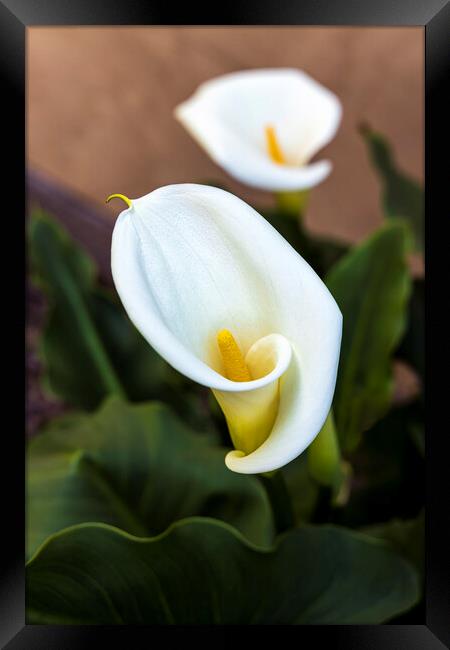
(139, 468)
(203, 572)
(90, 348)
(371, 285)
(78, 367)
(402, 196)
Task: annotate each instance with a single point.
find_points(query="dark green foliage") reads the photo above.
(138, 468)
(203, 572)
(371, 285)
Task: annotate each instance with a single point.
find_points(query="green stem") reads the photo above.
(324, 457)
(280, 500)
(292, 204)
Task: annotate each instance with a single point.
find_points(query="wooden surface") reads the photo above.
(100, 103)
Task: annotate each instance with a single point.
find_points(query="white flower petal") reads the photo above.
(228, 117)
(190, 260)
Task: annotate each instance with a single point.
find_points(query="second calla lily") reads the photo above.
(264, 126)
(230, 304)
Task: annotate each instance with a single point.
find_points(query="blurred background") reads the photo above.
(101, 100)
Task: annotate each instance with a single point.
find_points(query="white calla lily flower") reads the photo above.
(263, 126)
(225, 300)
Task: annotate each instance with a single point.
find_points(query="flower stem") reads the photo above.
(292, 204)
(324, 457)
(327, 468)
(279, 498)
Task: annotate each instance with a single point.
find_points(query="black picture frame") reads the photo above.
(15, 17)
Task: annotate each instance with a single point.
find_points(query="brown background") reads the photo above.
(100, 103)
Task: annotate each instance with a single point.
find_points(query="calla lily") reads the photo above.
(225, 300)
(263, 126)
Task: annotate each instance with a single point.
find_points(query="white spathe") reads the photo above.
(190, 260)
(228, 117)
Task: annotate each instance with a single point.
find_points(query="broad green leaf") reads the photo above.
(203, 572)
(371, 285)
(402, 196)
(139, 468)
(90, 348)
(406, 536)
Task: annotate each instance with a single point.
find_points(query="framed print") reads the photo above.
(228, 226)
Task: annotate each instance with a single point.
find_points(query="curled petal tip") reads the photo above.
(231, 457)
